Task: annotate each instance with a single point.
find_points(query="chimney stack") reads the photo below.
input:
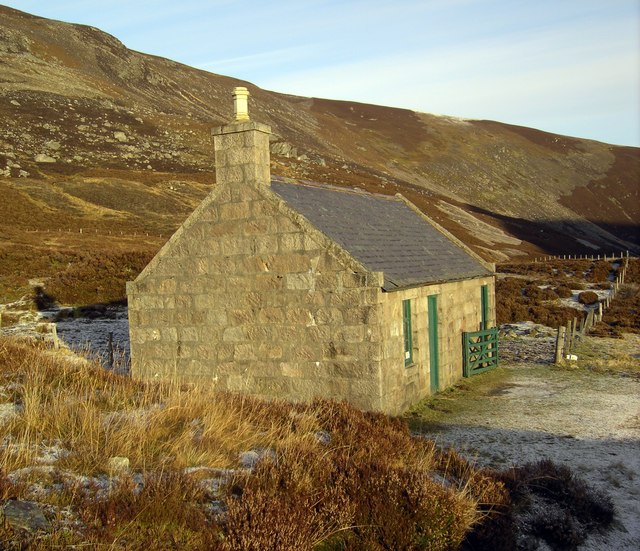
(242, 146)
(240, 103)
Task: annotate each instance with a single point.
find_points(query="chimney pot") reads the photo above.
(240, 103)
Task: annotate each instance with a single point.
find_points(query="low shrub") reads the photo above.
(337, 501)
(601, 286)
(599, 271)
(167, 512)
(334, 477)
(558, 528)
(568, 509)
(509, 300)
(90, 278)
(496, 530)
(558, 483)
(551, 316)
(576, 284)
(535, 292)
(632, 274)
(563, 291)
(623, 314)
(588, 298)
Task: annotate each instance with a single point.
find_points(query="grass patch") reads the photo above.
(428, 413)
(610, 355)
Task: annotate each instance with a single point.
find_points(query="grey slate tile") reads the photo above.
(383, 233)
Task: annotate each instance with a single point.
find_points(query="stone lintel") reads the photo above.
(236, 127)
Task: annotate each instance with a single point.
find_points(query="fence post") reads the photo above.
(54, 334)
(110, 350)
(560, 344)
(568, 338)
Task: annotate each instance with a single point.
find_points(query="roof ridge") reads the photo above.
(331, 187)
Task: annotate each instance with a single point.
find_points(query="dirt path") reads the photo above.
(529, 411)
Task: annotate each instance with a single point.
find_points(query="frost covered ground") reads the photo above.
(587, 421)
(92, 335)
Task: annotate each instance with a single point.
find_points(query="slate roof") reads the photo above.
(383, 233)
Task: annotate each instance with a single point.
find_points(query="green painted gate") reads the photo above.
(434, 354)
(480, 349)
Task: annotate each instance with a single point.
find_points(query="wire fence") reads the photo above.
(593, 257)
(94, 232)
(575, 329)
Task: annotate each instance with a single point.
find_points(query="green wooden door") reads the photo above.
(484, 304)
(434, 359)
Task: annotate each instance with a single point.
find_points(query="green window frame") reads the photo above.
(407, 332)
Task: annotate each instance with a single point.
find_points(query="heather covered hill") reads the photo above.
(94, 135)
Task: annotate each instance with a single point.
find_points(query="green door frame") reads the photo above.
(434, 355)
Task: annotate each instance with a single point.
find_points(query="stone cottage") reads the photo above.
(297, 290)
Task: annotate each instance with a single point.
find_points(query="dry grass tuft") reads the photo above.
(91, 415)
(326, 475)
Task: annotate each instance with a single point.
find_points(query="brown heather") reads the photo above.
(333, 477)
(520, 298)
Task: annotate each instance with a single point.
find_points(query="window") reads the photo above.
(406, 329)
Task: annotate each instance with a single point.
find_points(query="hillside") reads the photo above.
(116, 143)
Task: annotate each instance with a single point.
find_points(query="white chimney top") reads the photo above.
(240, 103)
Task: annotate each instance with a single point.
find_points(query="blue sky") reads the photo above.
(565, 66)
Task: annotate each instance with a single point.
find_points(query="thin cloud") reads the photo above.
(252, 61)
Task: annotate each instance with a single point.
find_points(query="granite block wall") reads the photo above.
(459, 310)
(248, 298)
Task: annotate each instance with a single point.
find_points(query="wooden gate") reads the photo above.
(480, 349)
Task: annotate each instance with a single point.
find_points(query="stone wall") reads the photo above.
(249, 296)
(459, 310)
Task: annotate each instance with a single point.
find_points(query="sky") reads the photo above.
(566, 66)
